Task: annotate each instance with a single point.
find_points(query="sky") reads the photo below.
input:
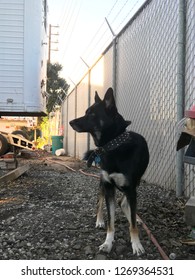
(83, 32)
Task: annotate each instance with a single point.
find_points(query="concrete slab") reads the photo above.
(190, 212)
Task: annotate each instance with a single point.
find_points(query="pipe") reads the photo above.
(151, 236)
(61, 163)
(180, 92)
(89, 174)
(153, 239)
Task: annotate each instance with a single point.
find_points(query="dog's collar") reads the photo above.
(110, 146)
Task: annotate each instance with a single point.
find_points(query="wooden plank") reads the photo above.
(14, 174)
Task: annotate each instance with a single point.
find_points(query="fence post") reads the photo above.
(180, 92)
(89, 103)
(114, 42)
(114, 65)
(66, 126)
(75, 135)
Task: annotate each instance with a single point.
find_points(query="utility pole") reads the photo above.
(51, 42)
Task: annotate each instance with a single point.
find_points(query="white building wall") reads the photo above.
(22, 57)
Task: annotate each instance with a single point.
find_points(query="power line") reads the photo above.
(71, 31)
(118, 15)
(100, 28)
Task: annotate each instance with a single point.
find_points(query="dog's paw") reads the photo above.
(137, 248)
(100, 224)
(138, 221)
(105, 247)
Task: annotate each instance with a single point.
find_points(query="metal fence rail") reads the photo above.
(190, 83)
(144, 66)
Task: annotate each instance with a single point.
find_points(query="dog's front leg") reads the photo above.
(110, 204)
(100, 219)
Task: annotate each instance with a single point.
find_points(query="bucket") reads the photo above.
(60, 152)
(57, 143)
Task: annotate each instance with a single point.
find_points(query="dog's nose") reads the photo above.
(71, 122)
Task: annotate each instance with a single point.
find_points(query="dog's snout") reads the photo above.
(76, 125)
(72, 122)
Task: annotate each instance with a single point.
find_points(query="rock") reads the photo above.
(175, 243)
(100, 257)
(88, 250)
(120, 249)
(77, 247)
(172, 256)
(50, 214)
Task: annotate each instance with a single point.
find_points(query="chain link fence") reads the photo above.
(190, 84)
(142, 66)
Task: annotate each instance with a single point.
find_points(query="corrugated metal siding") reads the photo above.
(11, 50)
(146, 76)
(98, 79)
(147, 84)
(70, 145)
(82, 105)
(22, 57)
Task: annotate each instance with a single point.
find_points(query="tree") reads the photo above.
(57, 87)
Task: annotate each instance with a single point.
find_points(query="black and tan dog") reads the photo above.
(123, 157)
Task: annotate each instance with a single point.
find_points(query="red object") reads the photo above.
(190, 113)
(8, 155)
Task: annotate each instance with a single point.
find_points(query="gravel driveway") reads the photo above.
(50, 212)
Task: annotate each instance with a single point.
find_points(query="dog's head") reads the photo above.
(101, 119)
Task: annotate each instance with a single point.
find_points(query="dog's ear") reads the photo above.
(109, 99)
(97, 98)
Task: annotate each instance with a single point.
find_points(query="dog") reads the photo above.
(124, 157)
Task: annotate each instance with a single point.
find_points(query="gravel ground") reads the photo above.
(50, 212)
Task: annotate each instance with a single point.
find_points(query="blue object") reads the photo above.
(57, 143)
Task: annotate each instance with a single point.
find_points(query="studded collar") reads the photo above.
(110, 146)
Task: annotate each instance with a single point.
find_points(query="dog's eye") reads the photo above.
(90, 114)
